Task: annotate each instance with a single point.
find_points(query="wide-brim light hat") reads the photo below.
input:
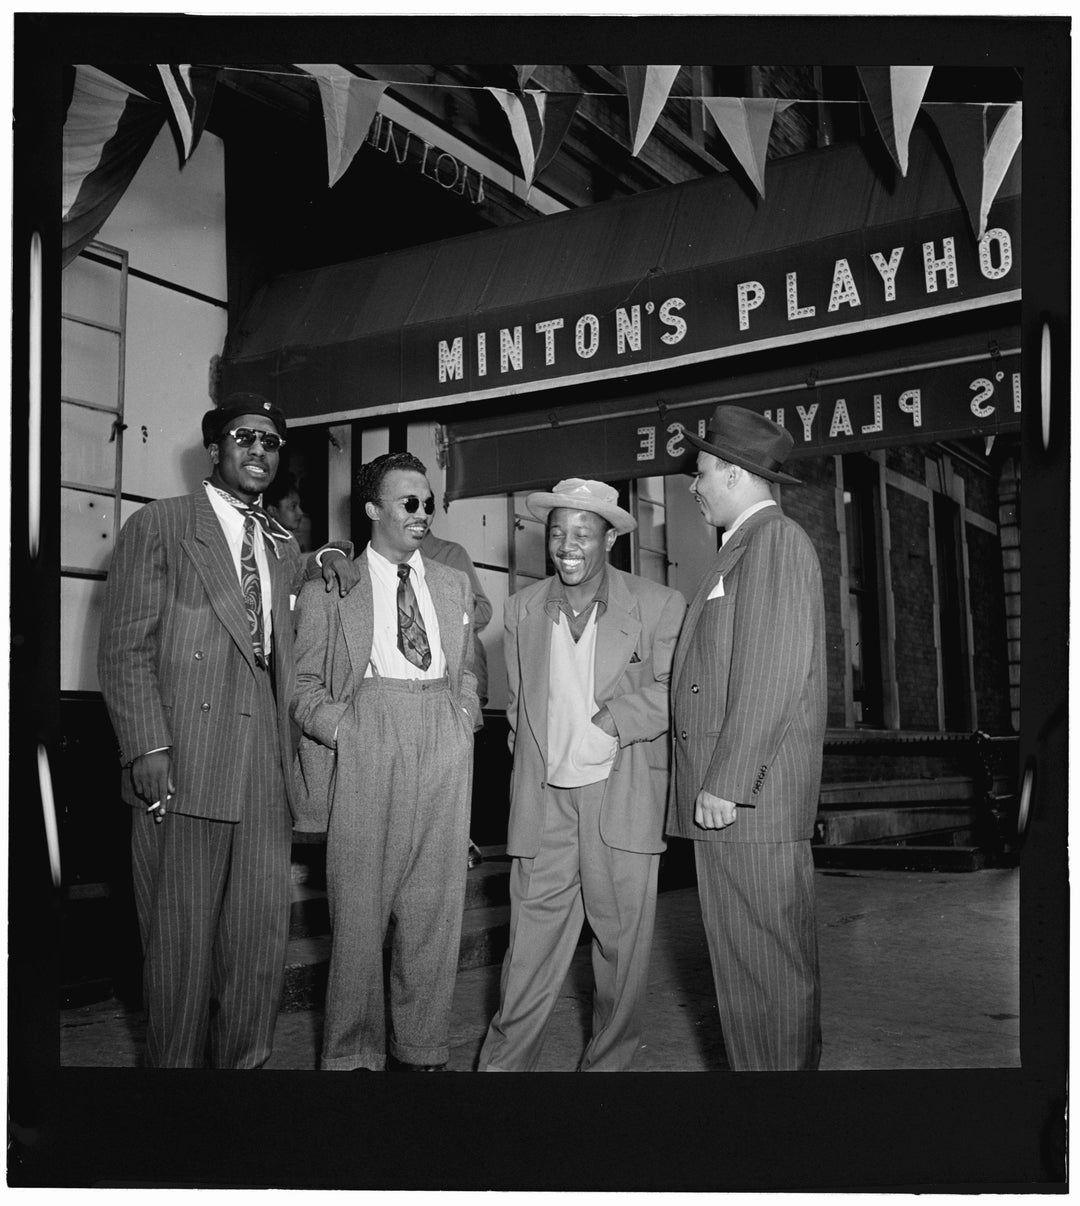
(745, 438)
(580, 494)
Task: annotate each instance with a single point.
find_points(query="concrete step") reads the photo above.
(880, 857)
(485, 933)
(835, 827)
(886, 793)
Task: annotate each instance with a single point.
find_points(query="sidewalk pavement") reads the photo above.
(919, 970)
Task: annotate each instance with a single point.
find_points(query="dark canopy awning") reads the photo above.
(680, 276)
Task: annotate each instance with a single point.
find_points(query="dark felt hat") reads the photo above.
(745, 438)
(233, 407)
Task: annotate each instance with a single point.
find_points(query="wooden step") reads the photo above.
(840, 828)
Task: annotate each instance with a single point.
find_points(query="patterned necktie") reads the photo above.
(412, 637)
(252, 588)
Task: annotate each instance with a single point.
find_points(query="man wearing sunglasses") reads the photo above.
(196, 666)
(386, 698)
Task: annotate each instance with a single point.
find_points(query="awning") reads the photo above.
(952, 384)
(680, 276)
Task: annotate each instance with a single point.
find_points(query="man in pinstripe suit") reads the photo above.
(196, 666)
(749, 700)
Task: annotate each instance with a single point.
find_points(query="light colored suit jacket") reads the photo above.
(333, 648)
(635, 643)
(749, 689)
(176, 662)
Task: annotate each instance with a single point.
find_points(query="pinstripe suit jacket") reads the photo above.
(748, 687)
(641, 618)
(333, 648)
(176, 663)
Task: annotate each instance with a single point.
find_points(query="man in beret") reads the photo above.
(588, 659)
(196, 666)
(749, 706)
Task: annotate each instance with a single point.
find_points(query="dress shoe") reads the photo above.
(475, 857)
(399, 1065)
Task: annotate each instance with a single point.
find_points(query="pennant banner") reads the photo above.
(190, 92)
(538, 123)
(349, 105)
(895, 95)
(108, 129)
(746, 126)
(647, 90)
(979, 164)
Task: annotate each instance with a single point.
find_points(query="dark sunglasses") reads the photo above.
(244, 437)
(412, 504)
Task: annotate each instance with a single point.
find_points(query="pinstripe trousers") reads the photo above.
(757, 902)
(213, 905)
(398, 826)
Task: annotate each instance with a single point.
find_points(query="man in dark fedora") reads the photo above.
(588, 660)
(749, 707)
(196, 666)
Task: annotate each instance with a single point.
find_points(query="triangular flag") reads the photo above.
(979, 163)
(999, 154)
(190, 91)
(349, 104)
(895, 95)
(523, 74)
(647, 90)
(538, 123)
(108, 128)
(746, 125)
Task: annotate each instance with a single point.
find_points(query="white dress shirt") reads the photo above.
(759, 506)
(232, 524)
(388, 660)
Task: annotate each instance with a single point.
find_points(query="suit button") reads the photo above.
(199, 655)
(695, 688)
(683, 734)
(206, 707)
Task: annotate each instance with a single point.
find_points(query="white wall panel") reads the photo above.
(86, 530)
(81, 601)
(171, 338)
(494, 585)
(172, 221)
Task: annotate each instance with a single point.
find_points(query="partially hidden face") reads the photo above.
(395, 531)
(288, 511)
(244, 472)
(578, 544)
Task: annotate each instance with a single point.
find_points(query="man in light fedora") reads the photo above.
(749, 706)
(588, 659)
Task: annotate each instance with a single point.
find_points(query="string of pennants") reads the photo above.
(980, 139)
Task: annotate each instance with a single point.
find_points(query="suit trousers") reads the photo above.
(213, 905)
(757, 903)
(395, 854)
(575, 875)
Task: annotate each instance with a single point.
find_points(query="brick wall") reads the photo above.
(986, 591)
(813, 505)
(913, 592)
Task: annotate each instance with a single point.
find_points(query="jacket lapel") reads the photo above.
(534, 653)
(213, 562)
(451, 617)
(617, 633)
(357, 615)
(725, 559)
